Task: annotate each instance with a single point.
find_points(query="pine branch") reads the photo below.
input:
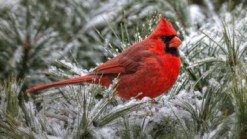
(24, 64)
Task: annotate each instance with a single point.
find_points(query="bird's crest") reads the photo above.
(164, 28)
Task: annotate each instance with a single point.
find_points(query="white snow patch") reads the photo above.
(196, 14)
(8, 3)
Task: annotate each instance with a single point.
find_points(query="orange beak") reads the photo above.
(175, 42)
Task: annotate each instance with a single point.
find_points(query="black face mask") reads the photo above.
(168, 49)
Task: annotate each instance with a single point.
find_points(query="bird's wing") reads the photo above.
(116, 66)
(126, 63)
(110, 67)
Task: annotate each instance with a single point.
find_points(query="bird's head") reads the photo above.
(165, 32)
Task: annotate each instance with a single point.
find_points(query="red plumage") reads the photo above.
(147, 68)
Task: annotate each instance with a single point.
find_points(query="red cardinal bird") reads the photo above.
(145, 69)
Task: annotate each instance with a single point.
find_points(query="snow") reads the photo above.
(196, 15)
(200, 62)
(73, 68)
(111, 12)
(214, 82)
(243, 82)
(168, 107)
(17, 57)
(106, 133)
(8, 3)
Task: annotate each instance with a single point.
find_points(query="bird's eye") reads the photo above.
(167, 39)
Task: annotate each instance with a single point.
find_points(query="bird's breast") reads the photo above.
(171, 65)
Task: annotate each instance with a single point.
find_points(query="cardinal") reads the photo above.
(147, 68)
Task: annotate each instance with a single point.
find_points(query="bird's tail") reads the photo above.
(75, 80)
